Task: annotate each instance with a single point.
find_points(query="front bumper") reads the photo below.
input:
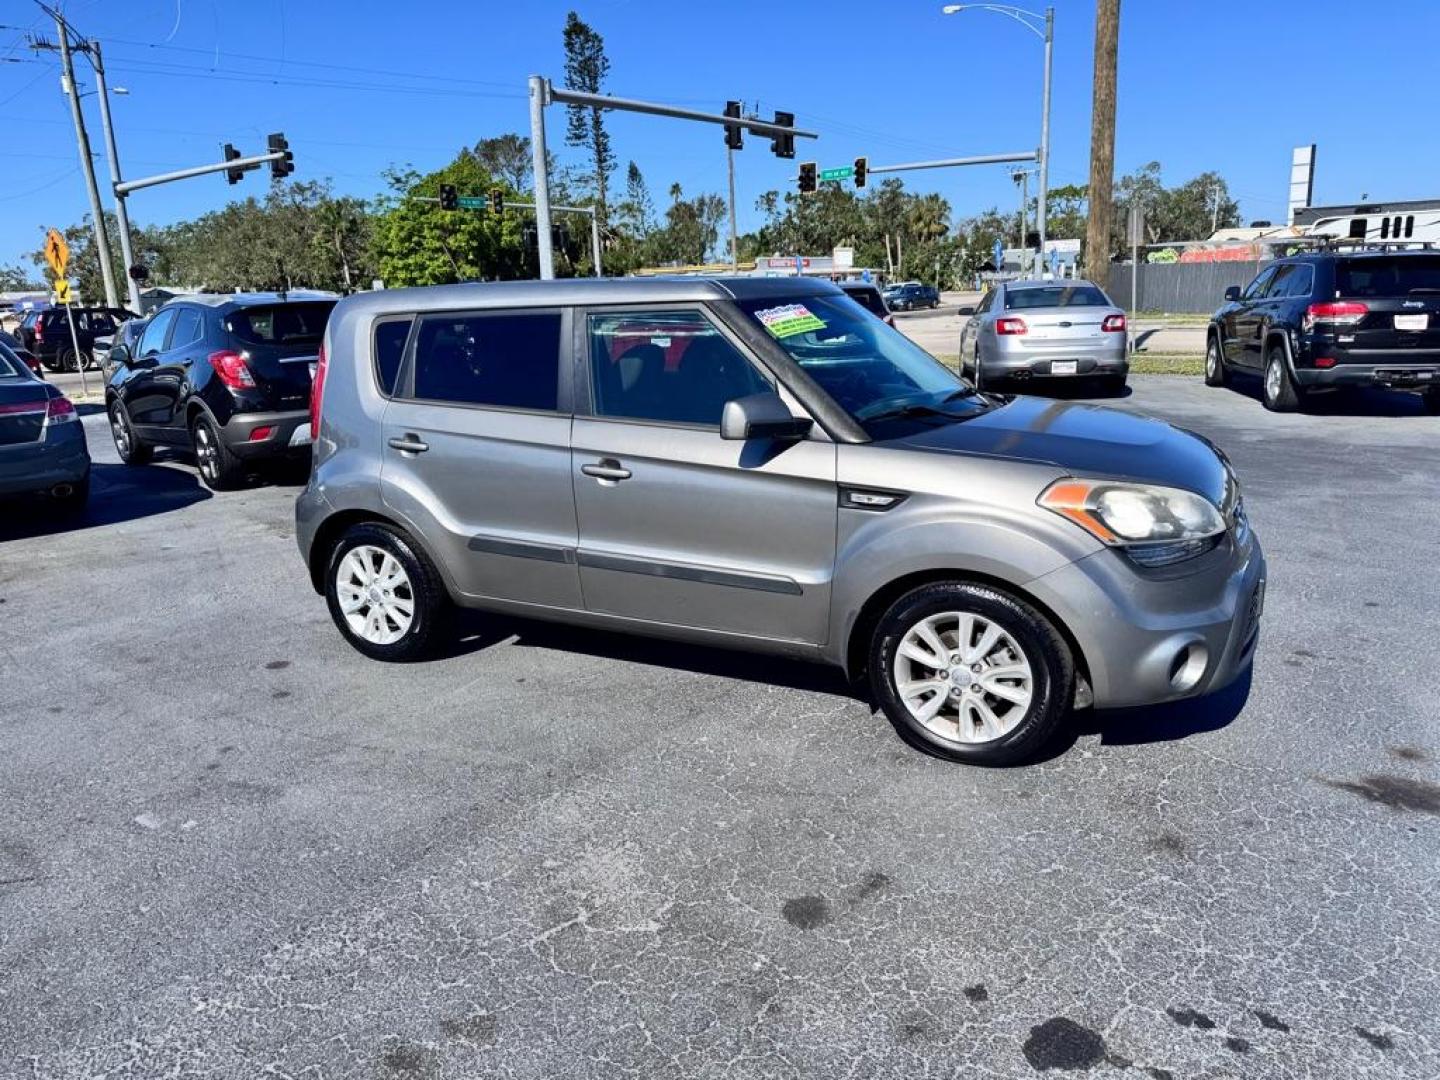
(61, 457)
(288, 434)
(1150, 637)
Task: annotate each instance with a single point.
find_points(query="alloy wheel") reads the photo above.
(120, 431)
(964, 677)
(375, 595)
(1272, 380)
(206, 454)
(1212, 360)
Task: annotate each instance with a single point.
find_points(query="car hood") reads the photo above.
(1085, 440)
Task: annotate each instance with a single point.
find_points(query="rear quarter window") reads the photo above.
(389, 346)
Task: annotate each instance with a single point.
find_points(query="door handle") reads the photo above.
(606, 469)
(410, 444)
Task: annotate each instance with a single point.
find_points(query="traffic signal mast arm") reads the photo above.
(240, 163)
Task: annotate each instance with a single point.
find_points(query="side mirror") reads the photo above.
(1232, 293)
(119, 356)
(761, 416)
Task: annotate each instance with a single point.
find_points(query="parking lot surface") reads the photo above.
(230, 846)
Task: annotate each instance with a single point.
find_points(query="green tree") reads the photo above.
(417, 243)
(586, 67)
(17, 279)
(507, 158)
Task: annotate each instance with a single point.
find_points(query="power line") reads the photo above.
(165, 68)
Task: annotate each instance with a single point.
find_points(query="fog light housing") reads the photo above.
(1188, 667)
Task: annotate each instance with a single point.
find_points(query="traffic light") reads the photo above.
(275, 143)
(232, 176)
(734, 133)
(449, 197)
(497, 201)
(807, 178)
(784, 145)
(862, 166)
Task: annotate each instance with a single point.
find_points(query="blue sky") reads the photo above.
(357, 85)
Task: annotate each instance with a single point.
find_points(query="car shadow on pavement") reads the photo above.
(1352, 401)
(118, 493)
(1156, 723)
(479, 631)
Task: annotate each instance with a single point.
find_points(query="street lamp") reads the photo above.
(1032, 21)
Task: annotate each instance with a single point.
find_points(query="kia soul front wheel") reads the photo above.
(971, 673)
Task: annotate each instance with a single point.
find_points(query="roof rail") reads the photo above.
(1356, 243)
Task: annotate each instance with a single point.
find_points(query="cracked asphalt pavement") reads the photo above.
(230, 846)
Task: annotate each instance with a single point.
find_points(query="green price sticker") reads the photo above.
(783, 322)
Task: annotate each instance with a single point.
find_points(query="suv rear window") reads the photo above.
(281, 324)
(1059, 296)
(1395, 275)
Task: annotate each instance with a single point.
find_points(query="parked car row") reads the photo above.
(911, 296)
(42, 445)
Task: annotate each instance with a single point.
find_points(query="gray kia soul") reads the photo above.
(761, 463)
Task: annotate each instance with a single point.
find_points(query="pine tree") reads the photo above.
(586, 67)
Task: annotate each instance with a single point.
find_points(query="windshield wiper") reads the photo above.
(963, 392)
(913, 409)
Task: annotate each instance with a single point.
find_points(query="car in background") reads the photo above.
(759, 463)
(46, 333)
(1332, 319)
(912, 297)
(42, 443)
(868, 296)
(1027, 330)
(30, 360)
(228, 376)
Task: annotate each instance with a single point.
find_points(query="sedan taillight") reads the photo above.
(1337, 312)
(60, 410)
(1113, 324)
(230, 369)
(1010, 325)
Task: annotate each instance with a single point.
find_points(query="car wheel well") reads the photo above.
(330, 531)
(858, 646)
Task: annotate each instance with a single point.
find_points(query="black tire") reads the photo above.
(430, 602)
(68, 361)
(219, 468)
(1277, 388)
(132, 449)
(1216, 373)
(1051, 666)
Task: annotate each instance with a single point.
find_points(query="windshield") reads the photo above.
(875, 373)
(1045, 296)
(1396, 275)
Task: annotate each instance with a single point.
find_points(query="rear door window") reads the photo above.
(1396, 275)
(187, 328)
(505, 359)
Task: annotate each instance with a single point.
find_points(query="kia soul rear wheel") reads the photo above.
(384, 593)
(971, 673)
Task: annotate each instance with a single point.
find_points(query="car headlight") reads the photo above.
(1155, 526)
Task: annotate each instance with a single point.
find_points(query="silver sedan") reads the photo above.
(1025, 330)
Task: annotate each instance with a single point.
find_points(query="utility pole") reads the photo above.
(1042, 207)
(122, 216)
(1102, 143)
(87, 163)
(1023, 179)
(1214, 209)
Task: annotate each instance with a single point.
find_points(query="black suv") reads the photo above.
(46, 333)
(228, 375)
(1329, 319)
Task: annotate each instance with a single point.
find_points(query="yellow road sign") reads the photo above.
(57, 252)
(62, 291)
